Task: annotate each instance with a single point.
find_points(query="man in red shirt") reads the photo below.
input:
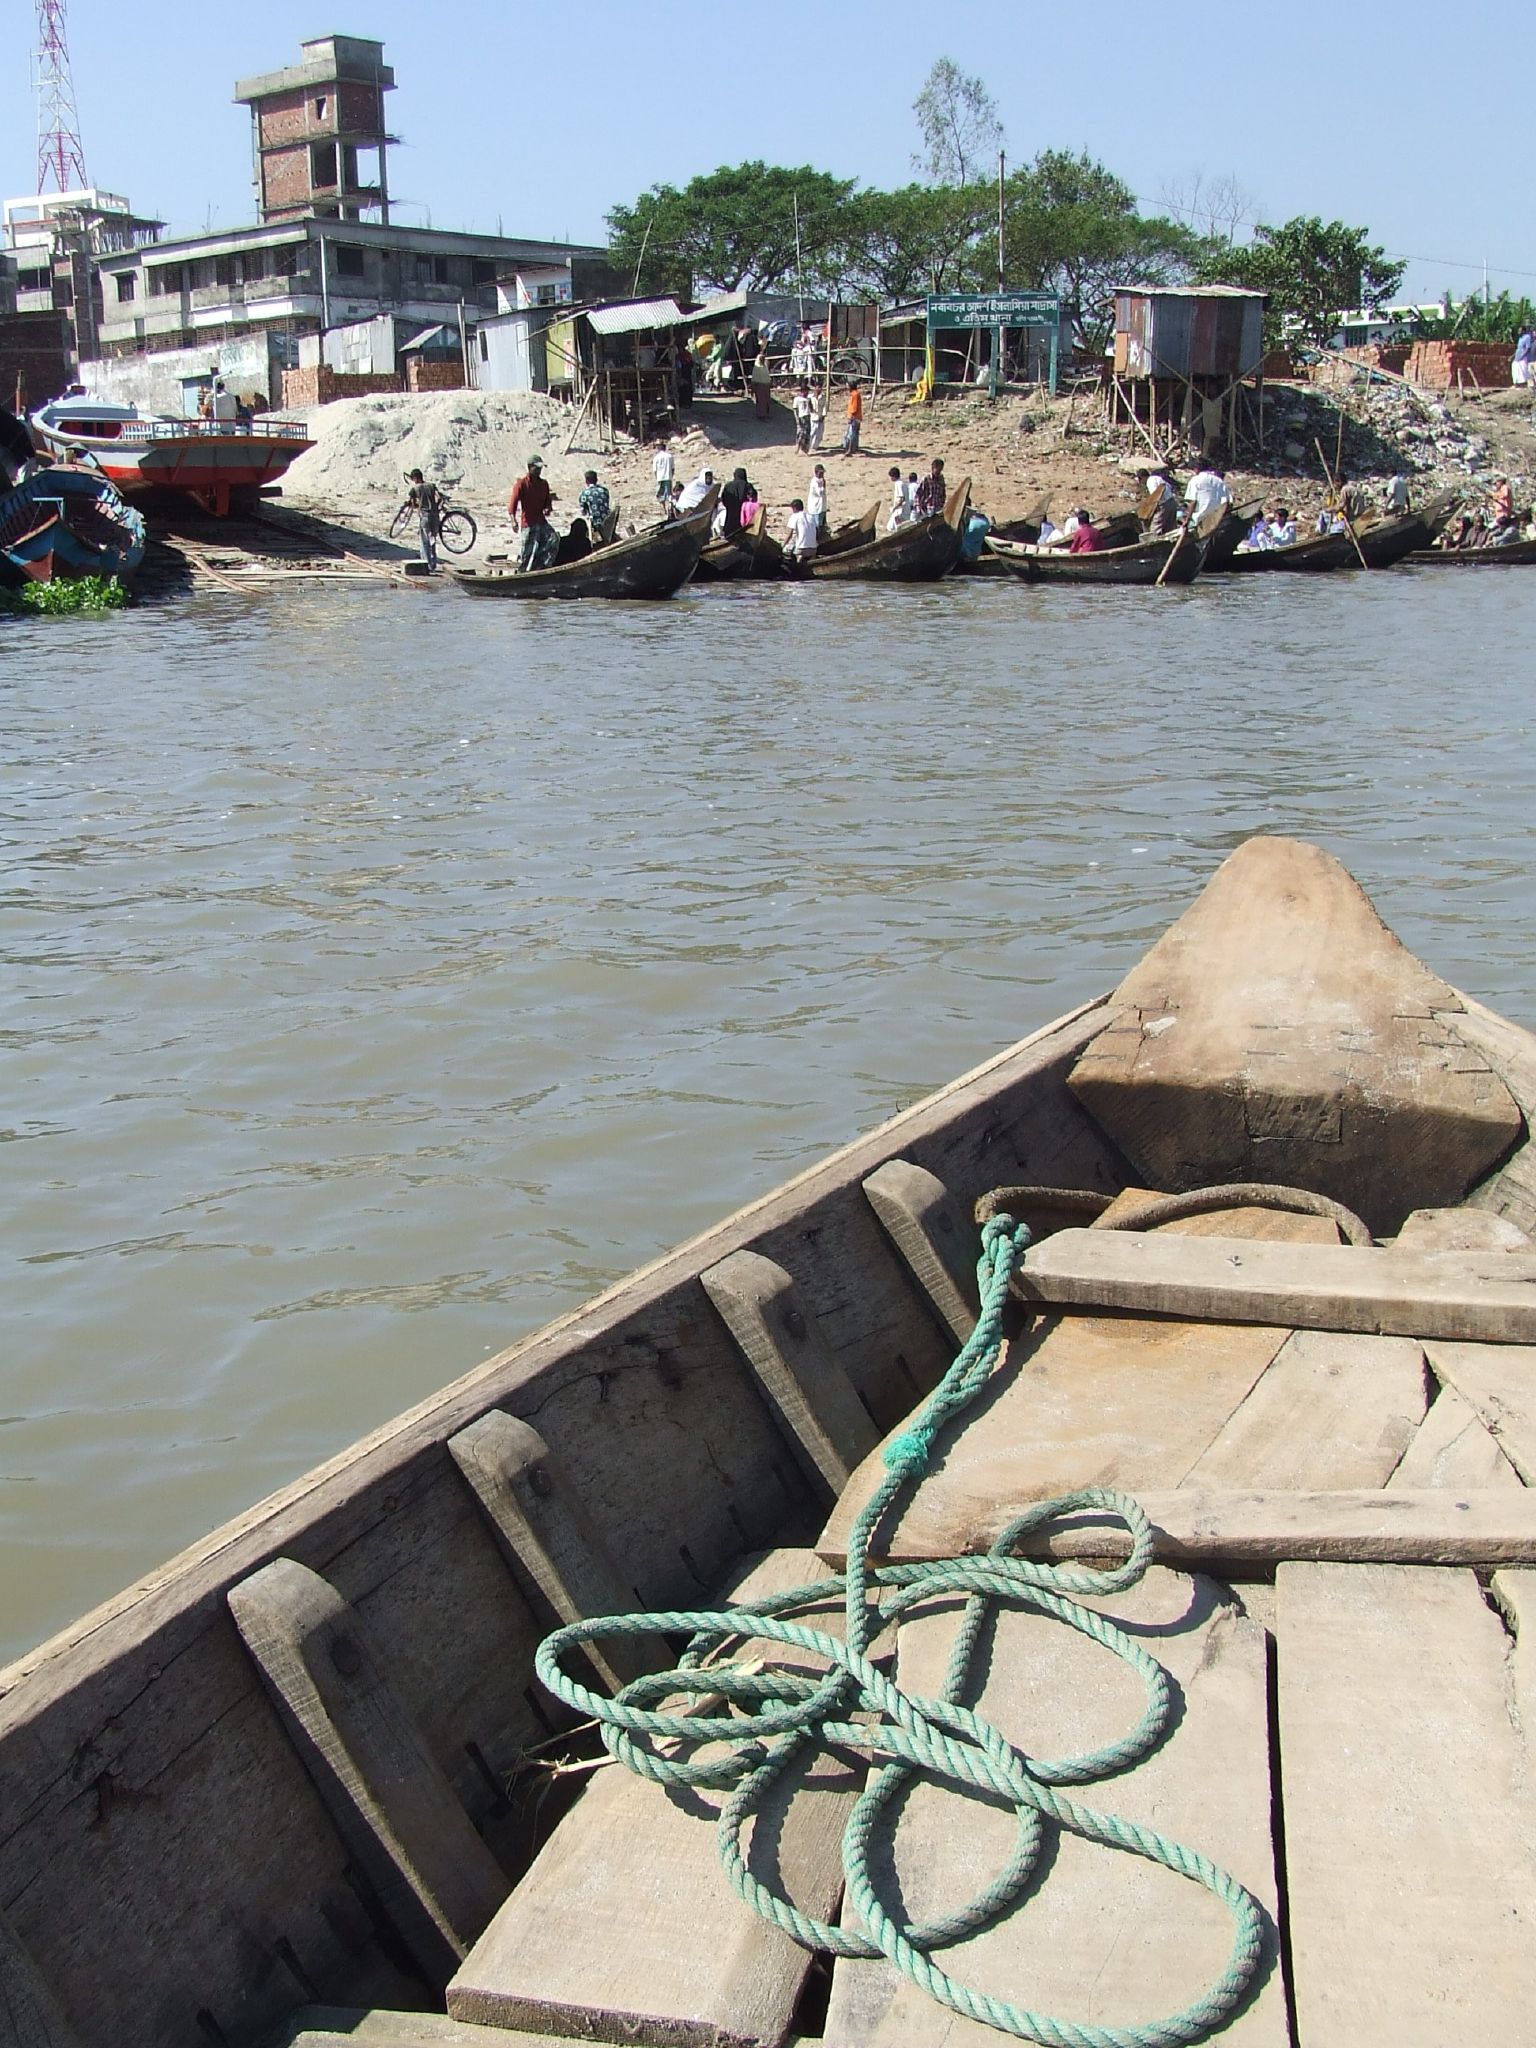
(1086, 540)
(529, 506)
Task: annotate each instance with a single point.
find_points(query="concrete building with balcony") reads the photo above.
(55, 241)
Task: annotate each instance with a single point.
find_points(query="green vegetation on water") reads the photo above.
(76, 594)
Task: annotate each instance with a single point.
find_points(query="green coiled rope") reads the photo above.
(774, 1721)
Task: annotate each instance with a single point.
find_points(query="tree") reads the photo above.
(1073, 227)
(734, 230)
(1312, 272)
(960, 127)
(922, 238)
(1217, 208)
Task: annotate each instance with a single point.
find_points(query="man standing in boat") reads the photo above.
(530, 505)
(929, 501)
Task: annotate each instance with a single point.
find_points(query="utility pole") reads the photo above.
(60, 154)
(1000, 220)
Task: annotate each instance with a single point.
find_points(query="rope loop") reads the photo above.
(727, 1719)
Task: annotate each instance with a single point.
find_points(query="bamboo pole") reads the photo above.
(1348, 522)
(1183, 536)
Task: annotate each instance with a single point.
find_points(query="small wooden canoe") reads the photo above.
(67, 521)
(1517, 554)
(1145, 562)
(920, 553)
(1318, 553)
(1234, 527)
(296, 1786)
(652, 563)
(754, 553)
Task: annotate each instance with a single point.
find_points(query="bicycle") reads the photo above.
(456, 528)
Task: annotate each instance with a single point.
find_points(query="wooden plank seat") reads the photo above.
(626, 1926)
(1103, 1937)
(1409, 1815)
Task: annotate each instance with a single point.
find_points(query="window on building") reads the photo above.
(224, 270)
(482, 270)
(286, 260)
(40, 280)
(322, 166)
(485, 347)
(440, 270)
(349, 260)
(127, 287)
(255, 265)
(322, 104)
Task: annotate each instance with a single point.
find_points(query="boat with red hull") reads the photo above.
(220, 463)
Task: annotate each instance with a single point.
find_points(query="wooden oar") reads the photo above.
(1182, 537)
(1349, 527)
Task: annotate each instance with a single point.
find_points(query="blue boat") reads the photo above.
(67, 521)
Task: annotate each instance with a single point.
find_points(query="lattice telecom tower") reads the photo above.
(60, 153)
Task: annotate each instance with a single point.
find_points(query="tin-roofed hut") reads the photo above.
(1188, 360)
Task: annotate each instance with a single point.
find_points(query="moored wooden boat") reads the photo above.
(306, 1761)
(1318, 553)
(652, 563)
(1146, 561)
(1233, 529)
(67, 521)
(1517, 554)
(220, 463)
(920, 553)
(732, 557)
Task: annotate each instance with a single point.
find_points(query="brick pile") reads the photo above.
(320, 384)
(421, 375)
(1444, 365)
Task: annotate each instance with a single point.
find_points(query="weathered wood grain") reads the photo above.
(1332, 1412)
(1452, 1447)
(1461, 1230)
(1243, 1534)
(1079, 1401)
(935, 1238)
(1499, 1381)
(626, 1926)
(29, 2012)
(320, 2026)
(149, 1710)
(826, 1425)
(1279, 1032)
(555, 1552)
(1478, 1296)
(390, 1803)
(1409, 1821)
(1105, 1937)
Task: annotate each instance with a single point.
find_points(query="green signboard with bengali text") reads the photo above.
(998, 311)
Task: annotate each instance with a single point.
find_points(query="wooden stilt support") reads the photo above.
(828, 1425)
(391, 1804)
(555, 1553)
(924, 1222)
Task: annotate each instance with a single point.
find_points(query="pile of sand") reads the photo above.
(472, 444)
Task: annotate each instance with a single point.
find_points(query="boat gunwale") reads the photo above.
(197, 1577)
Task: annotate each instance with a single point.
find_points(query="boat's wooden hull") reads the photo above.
(185, 1859)
(651, 564)
(1323, 552)
(921, 553)
(1223, 544)
(1518, 554)
(742, 555)
(67, 522)
(1146, 562)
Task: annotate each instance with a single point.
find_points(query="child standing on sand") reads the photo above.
(662, 467)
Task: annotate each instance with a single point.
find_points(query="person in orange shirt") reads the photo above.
(855, 419)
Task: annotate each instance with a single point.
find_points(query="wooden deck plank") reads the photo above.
(1499, 1380)
(1106, 1937)
(1334, 1411)
(626, 1926)
(1409, 1821)
(1244, 1534)
(1472, 1296)
(1453, 1447)
(1080, 1401)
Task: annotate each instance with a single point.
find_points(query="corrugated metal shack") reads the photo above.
(1188, 360)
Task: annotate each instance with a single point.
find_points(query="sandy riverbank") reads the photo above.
(1015, 449)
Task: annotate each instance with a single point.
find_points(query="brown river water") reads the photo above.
(384, 973)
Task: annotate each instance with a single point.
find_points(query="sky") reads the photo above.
(535, 120)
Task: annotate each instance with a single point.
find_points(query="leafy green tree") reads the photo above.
(1475, 319)
(922, 238)
(733, 229)
(1073, 227)
(1311, 270)
(958, 120)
